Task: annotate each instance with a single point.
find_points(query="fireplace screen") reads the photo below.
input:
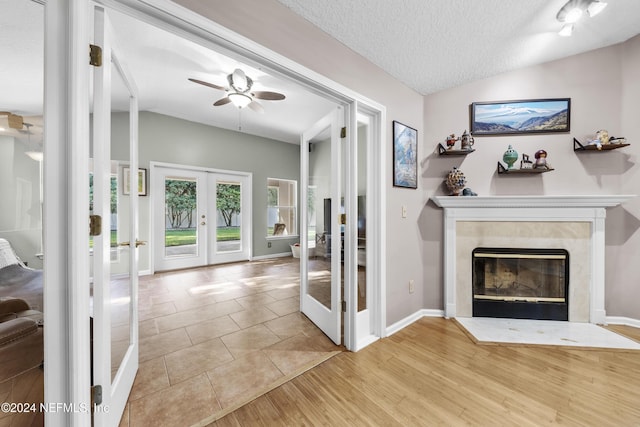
(521, 283)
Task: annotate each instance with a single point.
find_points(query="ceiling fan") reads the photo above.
(239, 92)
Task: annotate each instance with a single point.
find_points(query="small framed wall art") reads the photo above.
(142, 181)
(405, 156)
(521, 117)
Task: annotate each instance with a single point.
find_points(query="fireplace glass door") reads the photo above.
(521, 283)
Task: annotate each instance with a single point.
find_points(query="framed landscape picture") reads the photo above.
(405, 156)
(521, 117)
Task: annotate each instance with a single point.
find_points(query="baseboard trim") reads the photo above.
(365, 342)
(619, 320)
(269, 256)
(403, 323)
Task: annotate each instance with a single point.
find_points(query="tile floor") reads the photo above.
(213, 338)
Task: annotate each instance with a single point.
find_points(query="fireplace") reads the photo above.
(520, 283)
(572, 222)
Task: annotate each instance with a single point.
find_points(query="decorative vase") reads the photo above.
(510, 156)
(455, 181)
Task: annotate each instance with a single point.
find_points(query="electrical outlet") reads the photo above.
(412, 286)
(268, 244)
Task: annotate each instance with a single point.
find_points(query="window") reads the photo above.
(282, 207)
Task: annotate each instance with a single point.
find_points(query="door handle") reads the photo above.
(203, 223)
(138, 243)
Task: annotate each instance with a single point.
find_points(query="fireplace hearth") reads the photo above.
(520, 283)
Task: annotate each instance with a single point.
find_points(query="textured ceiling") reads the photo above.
(438, 44)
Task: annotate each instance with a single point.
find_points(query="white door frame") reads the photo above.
(66, 127)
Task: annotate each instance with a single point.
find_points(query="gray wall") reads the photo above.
(596, 85)
(172, 140)
(604, 89)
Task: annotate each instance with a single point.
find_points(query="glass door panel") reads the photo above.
(322, 220)
(180, 224)
(180, 218)
(229, 217)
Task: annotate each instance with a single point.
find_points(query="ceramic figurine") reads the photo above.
(455, 181)
(451, 141)
(466, 141)
(468, 192)
(541, 160)
(510, 156)
(603, 136)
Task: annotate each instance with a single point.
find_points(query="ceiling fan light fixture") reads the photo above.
(566, 30)
(573, 15)
(240, 100)
(595, 7)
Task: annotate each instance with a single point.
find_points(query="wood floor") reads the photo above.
(431, 373)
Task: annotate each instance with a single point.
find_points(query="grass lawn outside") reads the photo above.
(181, 236)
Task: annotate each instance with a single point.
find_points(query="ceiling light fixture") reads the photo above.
(573, 10)
(240, 100)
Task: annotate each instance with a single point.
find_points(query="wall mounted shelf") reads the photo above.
(444, 152)
(577, 146)
(503, 170)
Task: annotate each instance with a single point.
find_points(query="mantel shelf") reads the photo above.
(577, 146)
(561, 201)
(444, 152)
(503, 170)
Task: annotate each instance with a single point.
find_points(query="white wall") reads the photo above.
(603, 87)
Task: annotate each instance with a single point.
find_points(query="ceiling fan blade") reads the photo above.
(269, 96)
(255, 106)
(207, 84)
(222, 101)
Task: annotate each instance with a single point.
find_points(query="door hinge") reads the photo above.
(95, 225)
(96, 395)
(344, 306)
(95, 55)
(343, 132)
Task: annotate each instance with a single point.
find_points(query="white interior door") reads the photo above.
(114, 295)
(322, 224)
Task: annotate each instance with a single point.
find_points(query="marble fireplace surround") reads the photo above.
(574, 223)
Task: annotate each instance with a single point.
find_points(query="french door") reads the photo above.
(322, 225)
(115, 248)
(200, 217)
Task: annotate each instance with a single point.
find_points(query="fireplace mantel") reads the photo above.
(529, 209)
(571, 201)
